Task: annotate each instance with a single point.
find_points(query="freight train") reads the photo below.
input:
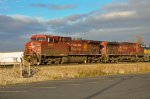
(48, 49)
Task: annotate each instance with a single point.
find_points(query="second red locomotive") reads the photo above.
(48, 49)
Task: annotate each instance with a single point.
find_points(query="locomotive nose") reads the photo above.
(29, 48)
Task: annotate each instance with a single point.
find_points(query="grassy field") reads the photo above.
(11, 76)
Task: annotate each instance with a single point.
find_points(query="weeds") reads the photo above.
(11, 76)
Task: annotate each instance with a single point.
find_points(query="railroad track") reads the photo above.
(76, 64)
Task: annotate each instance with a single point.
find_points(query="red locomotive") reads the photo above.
(48, 49)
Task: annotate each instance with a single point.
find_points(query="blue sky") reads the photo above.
(103, 20)
(24, 7)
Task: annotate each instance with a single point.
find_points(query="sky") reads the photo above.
(103, 20)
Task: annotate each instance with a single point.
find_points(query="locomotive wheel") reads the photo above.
(114, 60)
(49, 62)
(93, 60)
(133, 59)
(54, 61)
(89, 60)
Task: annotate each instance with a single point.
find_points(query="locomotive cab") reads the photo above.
(40, 46)
(35, 43)
(33, 48)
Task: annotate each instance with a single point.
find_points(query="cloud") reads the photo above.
(12, 28)
(18, 24)
(119, 14)
(55, 24)
(114, 22)
(54, 6)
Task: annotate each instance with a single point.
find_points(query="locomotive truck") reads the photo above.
(48, 49)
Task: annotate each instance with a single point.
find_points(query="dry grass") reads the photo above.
(11, 76)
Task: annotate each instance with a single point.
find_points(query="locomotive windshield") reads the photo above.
(33, 39)
(41, 39)
(38, 39)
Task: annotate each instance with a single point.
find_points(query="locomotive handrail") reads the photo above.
(38, 55)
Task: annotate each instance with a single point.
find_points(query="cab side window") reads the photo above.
(50, 40)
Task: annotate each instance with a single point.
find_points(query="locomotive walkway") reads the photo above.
(106, 87)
